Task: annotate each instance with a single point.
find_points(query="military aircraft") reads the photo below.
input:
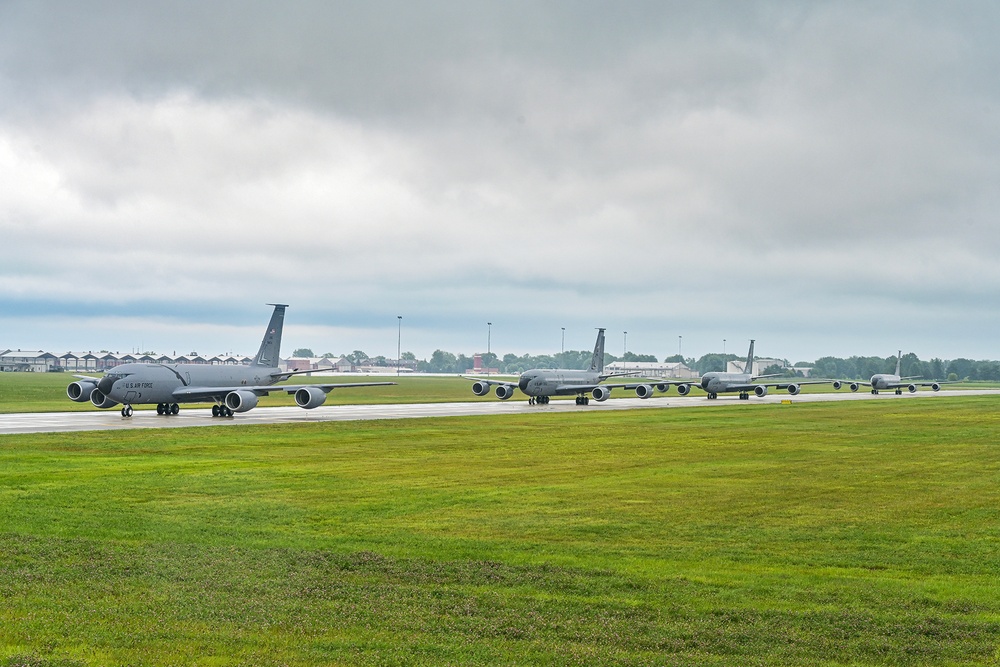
(715, 383)
(881, 381)
(541, 384)
(233, 388)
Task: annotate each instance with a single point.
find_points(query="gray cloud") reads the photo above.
(805, 174)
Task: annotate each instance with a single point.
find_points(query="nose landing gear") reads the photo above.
(126, 411)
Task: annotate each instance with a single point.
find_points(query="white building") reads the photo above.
(27, 360)
(653, 369)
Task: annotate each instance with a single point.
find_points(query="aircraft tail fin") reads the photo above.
(748, 367)
(899, 359)
(270, 346)
(597, 361)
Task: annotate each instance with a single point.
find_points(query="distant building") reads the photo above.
(86, 362)
(97, 362)
(654, 369)
(479, 369)
(318, 364)
(32, 361)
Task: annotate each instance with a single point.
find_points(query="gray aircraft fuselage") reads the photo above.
(717, 383)
(555, 382)
(156, 383)
(884, 381)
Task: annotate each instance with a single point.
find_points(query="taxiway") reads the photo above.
(111, 420)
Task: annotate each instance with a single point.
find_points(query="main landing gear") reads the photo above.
(167, 408)
(538, 400)
(221, 411)
(744, 395)
(583, 400)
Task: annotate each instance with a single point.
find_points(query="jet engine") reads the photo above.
(480, 388)
(837, 384)
(760, 390)
(912, 388)
(855, 386)
(505, 391)
(80, 390)
(101, 400)
(241, 400)
(794, 389)
(643, 391)
(601, 393)
(936, 387)
(683, 389)
(663, 387)
(309, 397)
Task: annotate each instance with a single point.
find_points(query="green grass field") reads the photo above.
(865, 533)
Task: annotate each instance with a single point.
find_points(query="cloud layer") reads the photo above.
(821, 178)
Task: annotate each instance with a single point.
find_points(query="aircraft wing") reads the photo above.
(749, 386)
(218, 393)
(785, 385)
(491, 382)
(903, 383)
(655, 381)
(582, 388)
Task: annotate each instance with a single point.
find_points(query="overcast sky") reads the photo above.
(824, 178)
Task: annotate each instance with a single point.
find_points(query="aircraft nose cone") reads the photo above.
(704, 382)
(522, 383)
(106, 383)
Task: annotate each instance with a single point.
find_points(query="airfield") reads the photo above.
(827, 528)
(191, 416)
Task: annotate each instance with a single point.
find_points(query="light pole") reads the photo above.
(679, 353)
(624, 350)
(489, 336)
(399, 342)
(563, 348)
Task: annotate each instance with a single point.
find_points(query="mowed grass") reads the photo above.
(865, 533)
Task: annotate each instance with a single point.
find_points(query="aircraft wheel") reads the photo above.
(126, 411)
(228, 412)
(159, 408)
(215, 410)
(174, 408)
(586, 400)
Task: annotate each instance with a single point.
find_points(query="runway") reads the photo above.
(111, 420)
